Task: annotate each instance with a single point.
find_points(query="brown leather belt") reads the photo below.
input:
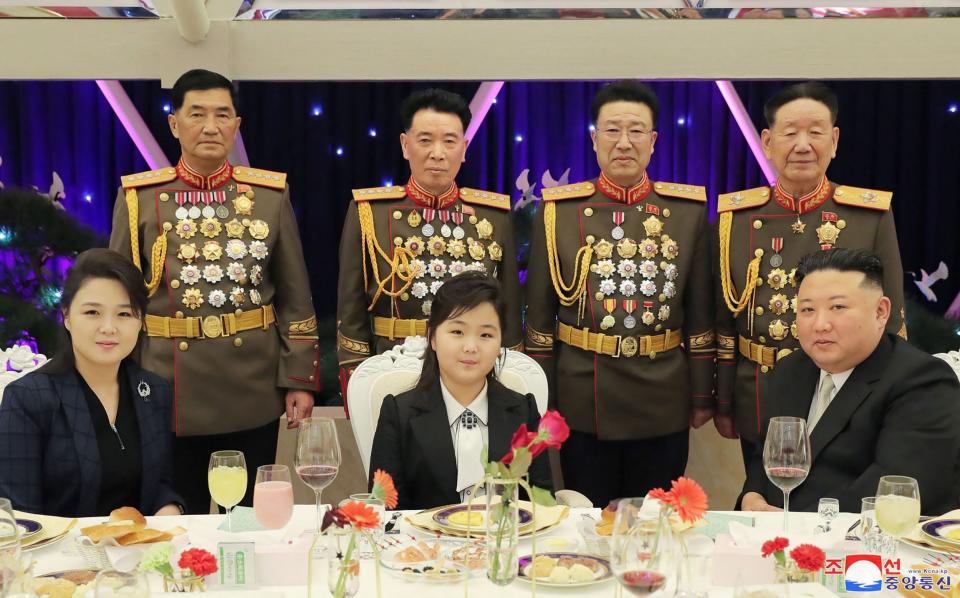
(762, 354)
(393, 328)
(210, 326)
(617, 345)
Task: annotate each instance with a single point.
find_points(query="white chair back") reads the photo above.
(17, 361)
(397, 371)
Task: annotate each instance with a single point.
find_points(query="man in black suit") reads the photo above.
(874, 404)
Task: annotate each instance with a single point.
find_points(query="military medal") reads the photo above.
(426, 306)
(187, 253)
(456, 267)
(445, 229)
(476, 250)
(436, 245)
(243, 205)
(828, 232)
(669, 289)
(258, 249)
(217, 298)
(435, 286)
(419, 289)
(669, 270)
(186, 228)
(213, 274)
(182, 213)
(456, 248)
(256, 275)
(234, 228)
(606, 268)
(793, 304)
(647, 287)
(792, 277)
(607, 287)
(647, 316)
(648, 269)
(669, 248)
(212, 251)
(793, 330)
(484, 229)
(236, 249)
(778, 330)
(417, 268)
(458, 232)
(194, 213)
(495, 251)
(210, 227)
(608, 320)
(414, 245)
(437, 268)
(237, 272)
(653, 226)
(427, 229)
(237, 296)
(629, 305)
(627, 248)
(627, 268)
(192, 298)
(255, 296)
(777, 279)
(776, 260)
(207, 211)
(603, 249)
(798, 227)
(617, 232)
(190, 275)
(414, 219)
(779, 304)
(648, 248)
(259, 229)
(663, 314)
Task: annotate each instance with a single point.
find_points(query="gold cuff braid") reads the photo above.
(351, 345)
(702, 343)
(538, 339)
(304, 326)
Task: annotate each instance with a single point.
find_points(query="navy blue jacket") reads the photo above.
(49, 457)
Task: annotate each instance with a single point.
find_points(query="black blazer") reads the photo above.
(897, 414)
(413, 443)
(49, 457)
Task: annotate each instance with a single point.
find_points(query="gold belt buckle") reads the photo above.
(628, 346)
(212, 326)
(619, 341)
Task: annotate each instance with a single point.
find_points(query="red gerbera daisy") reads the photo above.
(384, 489)
(688, 499)
(361, 516)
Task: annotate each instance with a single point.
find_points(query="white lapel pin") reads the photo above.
(144, 389)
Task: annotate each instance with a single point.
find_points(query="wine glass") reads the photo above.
(318, 456)
(828, 509)
(117, 583)
(227, 480)
(786, 457)
(273, 496)
(643, 553)
(898, 505)
(9, 546)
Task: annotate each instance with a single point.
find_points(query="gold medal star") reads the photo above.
(798, 227)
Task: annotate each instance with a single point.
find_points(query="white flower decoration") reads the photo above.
(457, 267)
(236, 249)
(607, 286)
(669, 289)
(437, 268)
(648, 269)
(190, 274)
(606, 268)
(236, 272)
(628, 288)
(419, 290)
(258, 249)
(418, 268)
(627, 268)
(648, 287)
(670, 271)
(217, 298)
(435, 286)
(256, 275)
(213, 274)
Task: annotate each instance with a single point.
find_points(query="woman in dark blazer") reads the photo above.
(90, 430)
(417, 437)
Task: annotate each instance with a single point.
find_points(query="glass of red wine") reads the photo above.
(786, 457)
(643, 553)
(318, 456)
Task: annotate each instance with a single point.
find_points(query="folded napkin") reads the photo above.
(753, 538)
(52, 526)
(917, 535)
(543, 518)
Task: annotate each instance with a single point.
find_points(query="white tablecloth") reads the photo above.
(63, 556)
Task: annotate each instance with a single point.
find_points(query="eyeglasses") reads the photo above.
(634, 135)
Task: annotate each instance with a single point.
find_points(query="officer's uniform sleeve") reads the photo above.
(120, 231)
(889, 251)
(542, 303)
(726, 329)
(299, 366)
(510, 288)
(698, 319)
(354, 334)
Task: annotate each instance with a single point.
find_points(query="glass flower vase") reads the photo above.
(503, 527)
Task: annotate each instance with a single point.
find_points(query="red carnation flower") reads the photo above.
(808, 557)
(775, 545)
(200, 562)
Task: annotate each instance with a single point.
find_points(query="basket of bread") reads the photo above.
(125, 527)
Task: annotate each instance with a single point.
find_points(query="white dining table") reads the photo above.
(64, 556)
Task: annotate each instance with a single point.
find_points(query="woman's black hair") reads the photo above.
(459, 294)
(95, 263)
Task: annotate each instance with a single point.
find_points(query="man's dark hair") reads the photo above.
(438, 100)
(202, 80)
(812, 90)
(625, 91)
(459, 294)
(844, 260)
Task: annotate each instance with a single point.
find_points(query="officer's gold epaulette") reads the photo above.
(256, 176)
(485, 198)
(584, 189)
(375, 193)
(739, 200)
(863, 198)
(683, 191)
(151, 177)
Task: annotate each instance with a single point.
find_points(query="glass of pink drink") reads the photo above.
(273, 496)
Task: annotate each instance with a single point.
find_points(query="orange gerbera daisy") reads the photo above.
(688, 499)
(384, 489)
(361, 516)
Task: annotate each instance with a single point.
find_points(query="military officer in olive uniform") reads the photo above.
(619, 308)
(401, 243)
(763, 234)
(230, 319)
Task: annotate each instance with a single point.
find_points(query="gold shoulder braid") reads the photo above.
(568, 294)
(371, 247)
(734, 303)
(158, 253)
